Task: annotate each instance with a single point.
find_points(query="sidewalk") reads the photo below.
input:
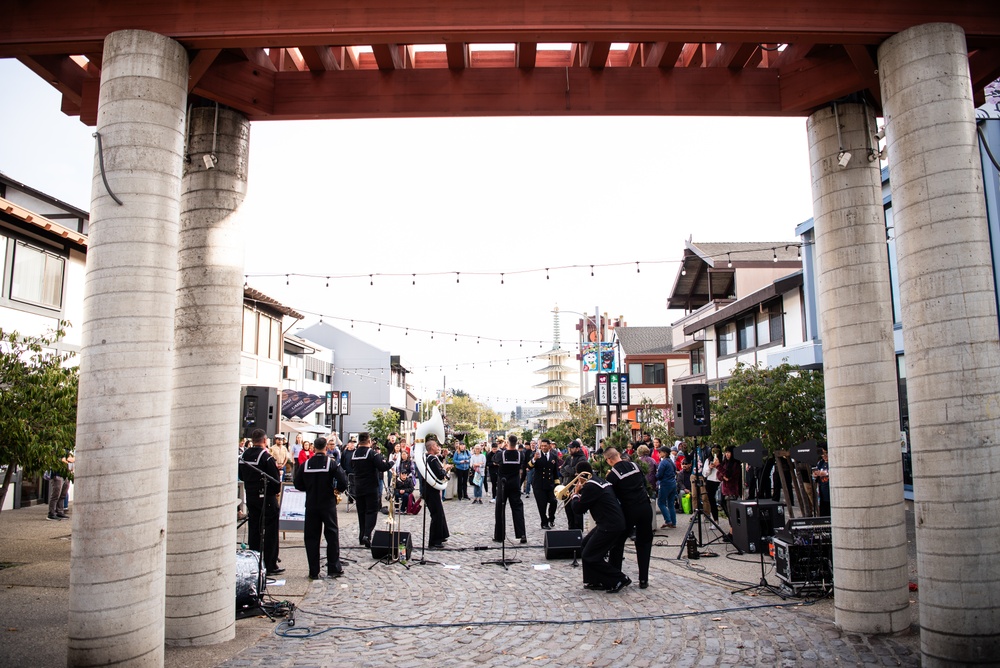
(465, 613)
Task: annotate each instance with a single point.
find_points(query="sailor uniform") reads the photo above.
(318, 478)
(597, 496)
(629, 485)
(509, 484)
(367, 465)
(262, 502)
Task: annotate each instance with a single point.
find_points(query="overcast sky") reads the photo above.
(496, 195)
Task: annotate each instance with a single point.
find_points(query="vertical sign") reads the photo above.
(333, 403)
(615, 389)
(602, 389)
(345, 403)
(623, 395)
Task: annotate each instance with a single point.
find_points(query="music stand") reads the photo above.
(503, 560)
(698, 513)
(752, 453)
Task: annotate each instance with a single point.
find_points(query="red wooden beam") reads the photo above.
(525, 53)
(200, 64)
(387, 56)
(811, 83)
(662, 54)
(242, 86)
(595, 54)
(62, 72)
(319, 58)
(458, 55)
(257, 56)
(984, 67)
(736, 56)
(863, 61)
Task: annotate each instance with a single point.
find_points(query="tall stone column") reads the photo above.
(859, 370)
(950, 336)
(126, 364)
(201, 525)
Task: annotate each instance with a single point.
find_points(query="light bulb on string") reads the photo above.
(456, 276)
(775, 252)
(371, 279)
(591, 271)
(637, 267)
(546, 273)
(501, 279)
(729, 262)
(414, 279)
(286, 279)
(327, 281)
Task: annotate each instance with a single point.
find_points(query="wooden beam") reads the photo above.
(257, 56)
(319, 58)
(387, 56)
(294, 60)
(633, 55)
(540, 91)
(867, 69)
(242, 86)
(984, 67)
(458, 55)
(62, 72)
(691, 56)
(661, 54)
(815, 81)
(200, 64)
(735, 56)
(79, 26)
(595, 54)
(525, 54)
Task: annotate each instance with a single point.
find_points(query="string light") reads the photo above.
(730, 261)
(591, 271)
(286, 279)
(775, 251)
(637, 267)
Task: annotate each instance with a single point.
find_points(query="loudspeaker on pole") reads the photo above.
(692, 410)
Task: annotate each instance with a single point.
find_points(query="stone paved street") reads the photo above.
(464, 613)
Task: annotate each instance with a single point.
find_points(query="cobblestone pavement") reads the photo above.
(464, 613)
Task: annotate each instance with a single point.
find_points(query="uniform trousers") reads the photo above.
(368, 507)
(640, 518)
(509, 491)
(269, 553)
(597, 545)
(322, 520)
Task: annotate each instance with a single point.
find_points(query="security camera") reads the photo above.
(843, 158)
(210, 160)
(880, 135)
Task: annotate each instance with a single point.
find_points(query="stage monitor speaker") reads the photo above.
(259, 409)
(390, 544)
(692, 413)
(563, 544)
(249, 584)
(753, 522)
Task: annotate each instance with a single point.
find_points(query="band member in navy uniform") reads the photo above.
(546, 467)
(262, 499)
(629, 485)
(319, 477)
(367, 465)
(596, 496)
(438, 532)
(574, 520)
(509, 490)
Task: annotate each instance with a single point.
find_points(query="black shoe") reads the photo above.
(275, 571)
(524, 539)
(545, 527)
(54, 518)
(643, 584)
(618, 586)
(596, 586)
(436, 546)
(335, 574)
(317, 577)
(498, 540)
(367, 543)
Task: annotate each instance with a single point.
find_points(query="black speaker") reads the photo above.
(692, 414)
(390, 544)
(753, 522)
(563, 544)
(259, 409)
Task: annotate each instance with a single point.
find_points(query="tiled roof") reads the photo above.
(645, 340)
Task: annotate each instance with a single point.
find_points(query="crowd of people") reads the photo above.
(614, 485)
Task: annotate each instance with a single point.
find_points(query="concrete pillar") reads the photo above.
(859, 370)
(126, 364)
(950, 336)
(201, 524)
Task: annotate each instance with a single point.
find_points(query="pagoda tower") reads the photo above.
(557, 379)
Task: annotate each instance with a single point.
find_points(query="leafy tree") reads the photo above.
(466, 414)
(383, 423)
(782, 406)
(38, 394)
(655, 421)
(582, 418)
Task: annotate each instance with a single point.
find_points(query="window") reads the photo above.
(775, 315)
(763, 329)
(275, 351)
(725, 338)
(654, 374)
(37, 277)
(249, 331)
(635, 374)
(263, 334)
(745, 328)
(697, 361)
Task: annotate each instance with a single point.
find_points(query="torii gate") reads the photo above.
(154, 528)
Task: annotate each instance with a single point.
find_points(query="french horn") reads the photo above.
(434, 426)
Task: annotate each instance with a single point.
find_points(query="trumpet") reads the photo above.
(563, 492)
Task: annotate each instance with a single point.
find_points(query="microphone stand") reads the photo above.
(503, 560)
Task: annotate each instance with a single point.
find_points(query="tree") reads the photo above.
(383, 423)
(655, 421)
(782, 406)
(38, 393)
(582, 418)
(466, 414)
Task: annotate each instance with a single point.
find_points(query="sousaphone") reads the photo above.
(433, 427)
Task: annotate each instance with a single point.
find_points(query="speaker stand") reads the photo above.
(503, 560)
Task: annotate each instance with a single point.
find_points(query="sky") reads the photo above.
(466, 195)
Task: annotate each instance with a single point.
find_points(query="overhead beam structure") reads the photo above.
(346, 59)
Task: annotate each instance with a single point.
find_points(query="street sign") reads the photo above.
(615, 389)
(345, 403)
(332, 403)
(602, 390)
(623, 394)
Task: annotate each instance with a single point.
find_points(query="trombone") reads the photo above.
(563, 492)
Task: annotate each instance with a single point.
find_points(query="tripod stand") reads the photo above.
(763, 584)
(503, 560)
(393, 555)
(698, 513)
